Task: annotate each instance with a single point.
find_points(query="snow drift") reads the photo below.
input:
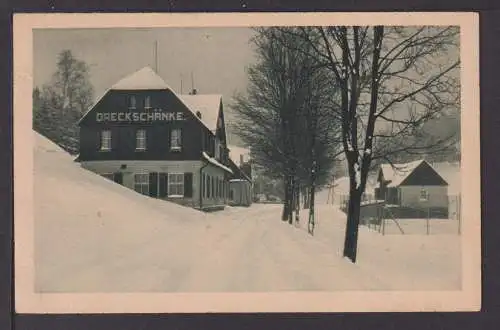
(92, 235)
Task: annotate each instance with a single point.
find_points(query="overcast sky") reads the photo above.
(217, 57)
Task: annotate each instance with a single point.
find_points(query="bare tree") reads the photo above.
(392, 81)
(274, 114)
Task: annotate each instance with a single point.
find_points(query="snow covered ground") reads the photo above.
(92, 235)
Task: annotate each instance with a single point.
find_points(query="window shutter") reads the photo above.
(163, 184)
(188, 184)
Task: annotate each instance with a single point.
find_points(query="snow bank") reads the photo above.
(92, 235)
(414, 261)
(84, 222)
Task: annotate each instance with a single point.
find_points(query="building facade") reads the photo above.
(240, 183)
(143, 135)
(414, 185)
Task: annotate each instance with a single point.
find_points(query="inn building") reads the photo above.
(143, 135)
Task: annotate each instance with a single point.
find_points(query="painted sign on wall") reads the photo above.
(157, 115)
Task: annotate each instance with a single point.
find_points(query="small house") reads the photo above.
(240, 182)
(415, 185)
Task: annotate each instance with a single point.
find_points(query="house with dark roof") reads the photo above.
(240, 182)
(145, 136)
(415, 185)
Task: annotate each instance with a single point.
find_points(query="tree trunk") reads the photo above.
(351, 233)
(297, 201)
(290, 200)
(311, 210)
(286, 203)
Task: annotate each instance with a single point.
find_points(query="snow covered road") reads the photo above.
(92, 235)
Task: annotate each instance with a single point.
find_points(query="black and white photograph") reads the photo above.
(241, 163)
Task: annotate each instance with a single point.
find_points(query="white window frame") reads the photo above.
(142, 183)
(138, 138)
(106, 140)
(177, 146)
(177, 193)
(132, 102)
(426, 197)
(147, 102)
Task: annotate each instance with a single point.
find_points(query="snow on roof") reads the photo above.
(216, 163)
(145, 78)
(450, 172)
(238, 180)
(236, 152)
(207, 104)
(398, 172)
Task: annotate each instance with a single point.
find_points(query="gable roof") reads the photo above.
(398, 173)
(145, 78)
(207, 104)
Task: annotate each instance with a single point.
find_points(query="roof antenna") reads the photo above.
(156, 56)
(193, 90)
(181, 83)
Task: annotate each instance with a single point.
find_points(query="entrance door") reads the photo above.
(118, 177)
(163, 185)
(153, 184)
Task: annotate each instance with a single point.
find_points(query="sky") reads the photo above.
(216, 58)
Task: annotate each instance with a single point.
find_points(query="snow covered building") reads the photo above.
(414, 185)
(145, 136)
(240, 183)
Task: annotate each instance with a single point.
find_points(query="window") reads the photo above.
(213, 187)
(175, 139)
(106, 140)
(141, 183)
(203, 184)
(140, 139)
(132, 102)
(175, 184)
(147, 102)
(424, 194)
(208, 186)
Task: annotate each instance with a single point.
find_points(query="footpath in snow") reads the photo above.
(92, 235)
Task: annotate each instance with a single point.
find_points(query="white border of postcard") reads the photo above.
(27, 301)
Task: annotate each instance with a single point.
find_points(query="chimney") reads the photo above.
(241, 160)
